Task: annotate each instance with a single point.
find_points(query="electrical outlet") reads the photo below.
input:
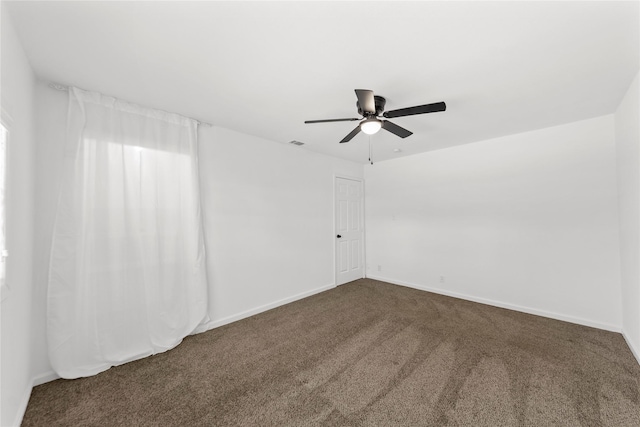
(441, 279)
(379, 267)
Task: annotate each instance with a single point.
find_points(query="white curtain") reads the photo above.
(127, 271)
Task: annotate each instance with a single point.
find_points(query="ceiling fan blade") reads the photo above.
(331, 120)
(395, 129)
(366, 100)
(420, 109)
(351, 135)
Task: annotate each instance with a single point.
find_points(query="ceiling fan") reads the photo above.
(371, 106)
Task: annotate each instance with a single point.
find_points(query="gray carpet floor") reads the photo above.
(365, 354)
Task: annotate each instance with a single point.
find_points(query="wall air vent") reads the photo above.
(294, 142)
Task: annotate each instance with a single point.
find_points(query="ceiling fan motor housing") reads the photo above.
(380, 103)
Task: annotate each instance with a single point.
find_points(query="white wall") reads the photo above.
(527, 221)
(17, 84)
(627, 124)
(268, 211)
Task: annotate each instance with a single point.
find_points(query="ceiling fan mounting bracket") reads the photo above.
(380, 103)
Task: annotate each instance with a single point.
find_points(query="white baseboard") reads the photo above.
(24, 401)
(45, 378)
(22, 408)
(634, 350)
(251, 312)
(509, 306)
(36, 381)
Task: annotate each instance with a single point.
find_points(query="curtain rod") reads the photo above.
(63, 88)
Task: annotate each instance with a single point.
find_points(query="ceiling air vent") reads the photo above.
(294, 142)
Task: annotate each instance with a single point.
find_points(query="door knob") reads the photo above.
(338, 236)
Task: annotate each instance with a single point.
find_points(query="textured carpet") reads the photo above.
(365, 354)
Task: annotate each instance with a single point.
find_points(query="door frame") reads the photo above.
(363, 246)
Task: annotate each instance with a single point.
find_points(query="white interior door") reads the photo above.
(349, 230)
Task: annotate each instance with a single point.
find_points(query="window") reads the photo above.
(4, 139)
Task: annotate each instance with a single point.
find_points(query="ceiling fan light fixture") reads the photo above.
(370, 126)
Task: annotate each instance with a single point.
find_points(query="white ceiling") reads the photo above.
(263, 68)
